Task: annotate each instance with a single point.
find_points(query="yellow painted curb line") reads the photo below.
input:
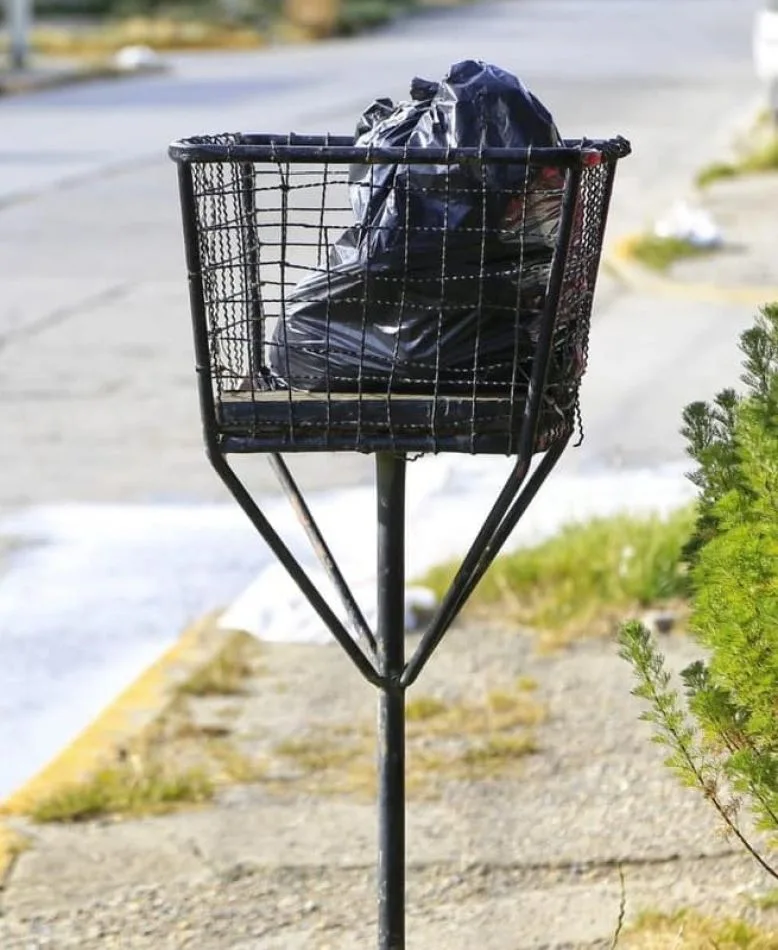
(621, 263)
(129, 717)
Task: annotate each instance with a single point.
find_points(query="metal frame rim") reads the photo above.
(311, 148)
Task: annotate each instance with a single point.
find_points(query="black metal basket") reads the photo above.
(264, 212)
(392, 301)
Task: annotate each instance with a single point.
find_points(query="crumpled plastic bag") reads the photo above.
(441, 282)
(691, 224)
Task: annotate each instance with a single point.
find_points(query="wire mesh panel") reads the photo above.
(391, 299)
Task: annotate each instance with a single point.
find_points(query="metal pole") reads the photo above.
(390, 490)
(18, 27)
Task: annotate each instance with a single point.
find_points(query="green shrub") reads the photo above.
(724, 739)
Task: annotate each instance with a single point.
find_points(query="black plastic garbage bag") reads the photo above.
(441, 282)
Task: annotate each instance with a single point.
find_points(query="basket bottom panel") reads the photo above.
(292, 421)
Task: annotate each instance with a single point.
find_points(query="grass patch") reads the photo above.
(475, 760)
(492, 755)
(498, 711)
(716, 171)
(178, 760)
(190, 730)
(422, 708)
(767, 901)
(757, 159)
(232, 765)
(318, 753)
(586, 579)
(124, 790)
(467, 741)
(688, 930)
(226, 675)
(660, 253)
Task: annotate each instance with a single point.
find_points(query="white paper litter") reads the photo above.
(692, 224)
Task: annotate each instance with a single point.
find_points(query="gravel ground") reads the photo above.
(524, 857)
(333, 908)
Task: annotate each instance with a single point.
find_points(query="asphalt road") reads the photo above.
(95, 355)
(96, 367)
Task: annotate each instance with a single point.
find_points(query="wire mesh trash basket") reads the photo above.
(406, 351)
(452, 317)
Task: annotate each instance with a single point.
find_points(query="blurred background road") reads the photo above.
(96, 377)
(96, 370)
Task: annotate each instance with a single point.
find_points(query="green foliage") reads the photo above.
(727, 744)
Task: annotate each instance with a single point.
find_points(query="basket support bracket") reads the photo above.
(381, 658)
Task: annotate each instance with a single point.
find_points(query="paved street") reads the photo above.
(94, 338)
(96, 372)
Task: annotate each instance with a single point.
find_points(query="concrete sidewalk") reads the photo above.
(742, 271)
(524, 853)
